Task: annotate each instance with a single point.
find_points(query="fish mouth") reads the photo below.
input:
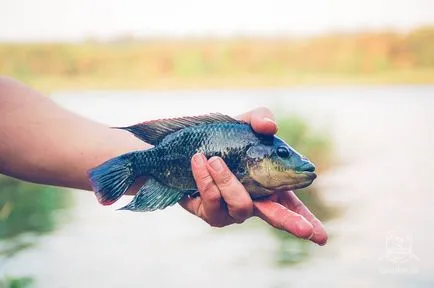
(304, 179)
(309, 175)
(276, 177)
(309, 178)
(305, 183)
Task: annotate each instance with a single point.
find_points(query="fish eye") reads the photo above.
(283, 152)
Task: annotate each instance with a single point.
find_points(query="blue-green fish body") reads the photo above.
(263, 163)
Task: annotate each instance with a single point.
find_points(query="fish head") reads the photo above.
(275, 166)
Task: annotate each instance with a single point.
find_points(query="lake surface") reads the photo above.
(384, 145)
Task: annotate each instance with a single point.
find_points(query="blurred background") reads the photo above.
(351, 84)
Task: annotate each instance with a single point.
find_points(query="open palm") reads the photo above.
(224, 200)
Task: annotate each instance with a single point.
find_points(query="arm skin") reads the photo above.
(43, 143)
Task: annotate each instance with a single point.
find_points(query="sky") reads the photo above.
(76, 20)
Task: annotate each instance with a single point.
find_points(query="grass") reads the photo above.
(50, 84)
(344, 59)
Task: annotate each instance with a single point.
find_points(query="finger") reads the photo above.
(282, 218)
(209, 192)
(240, 205)
(261, 120)
(290, 200)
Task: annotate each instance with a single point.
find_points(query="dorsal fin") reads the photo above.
(154, 131)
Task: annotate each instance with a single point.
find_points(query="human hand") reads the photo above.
(224, 200)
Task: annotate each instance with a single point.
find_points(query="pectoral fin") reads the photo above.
(153, 196)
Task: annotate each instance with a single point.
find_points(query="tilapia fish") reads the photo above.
(264, 164)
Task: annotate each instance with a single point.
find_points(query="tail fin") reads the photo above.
(112, 179)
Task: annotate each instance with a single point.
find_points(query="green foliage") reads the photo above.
(340, 54)
(421, 45)
(27, 209)
(22, 282)
(189, 64)
(317, 147)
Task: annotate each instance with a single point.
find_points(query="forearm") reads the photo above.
(44, 143)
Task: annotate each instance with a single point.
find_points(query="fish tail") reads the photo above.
(112, 179)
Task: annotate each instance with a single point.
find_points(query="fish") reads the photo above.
(264, 164)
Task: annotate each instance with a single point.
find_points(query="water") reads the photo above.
(383, 139)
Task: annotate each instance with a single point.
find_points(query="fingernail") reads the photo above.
(198, 159)
(216, 164)
(266, 119)
(311, 236)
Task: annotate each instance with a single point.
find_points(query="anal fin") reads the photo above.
(153, 196)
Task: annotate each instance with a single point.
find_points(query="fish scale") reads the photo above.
(264, 164)
(175, 153)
